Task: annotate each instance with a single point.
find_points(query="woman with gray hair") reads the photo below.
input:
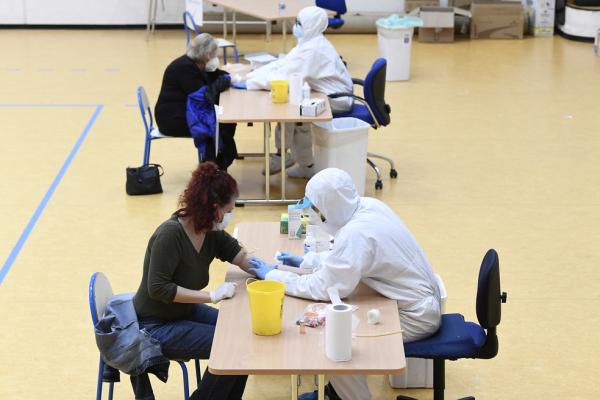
(185, 75)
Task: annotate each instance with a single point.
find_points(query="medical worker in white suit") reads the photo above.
(371, 245)
(319, 64)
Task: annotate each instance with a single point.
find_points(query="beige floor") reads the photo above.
(496, 144)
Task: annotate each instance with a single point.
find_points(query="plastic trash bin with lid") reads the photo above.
(394, 37)
(342, 143)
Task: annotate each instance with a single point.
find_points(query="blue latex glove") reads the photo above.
(261, 268)
(289, 259)
(239, 85)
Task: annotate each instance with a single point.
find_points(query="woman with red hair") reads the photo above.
(170, 302)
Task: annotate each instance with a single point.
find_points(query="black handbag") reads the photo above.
(144, 180)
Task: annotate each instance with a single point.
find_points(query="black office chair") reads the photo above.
(372, 109)
(457, 338)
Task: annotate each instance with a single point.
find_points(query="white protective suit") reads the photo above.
(371, 245)
(315, 58)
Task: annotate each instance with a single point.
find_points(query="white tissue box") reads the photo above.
(312, 107)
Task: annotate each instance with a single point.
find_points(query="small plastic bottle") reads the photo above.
(281, 7)
(305, 91)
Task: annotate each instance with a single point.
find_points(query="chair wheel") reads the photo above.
(393, 173)
(378, 185)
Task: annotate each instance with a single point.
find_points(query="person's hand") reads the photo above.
(239, 85)
(261, 268)
(223, 82)
(289, 259)
(225, 291)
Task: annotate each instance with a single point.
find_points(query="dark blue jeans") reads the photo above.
(186, 340)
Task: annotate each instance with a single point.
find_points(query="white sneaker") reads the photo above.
(275, 163)
(300, 171)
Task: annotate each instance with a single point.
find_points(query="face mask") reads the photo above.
(226, 220)
(297, 31)
(212, 64)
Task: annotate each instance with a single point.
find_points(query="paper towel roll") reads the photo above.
(295, 80)
(338, 332)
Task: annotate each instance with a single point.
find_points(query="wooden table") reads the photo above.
(267, 10)
(256, 106)
(236, 350)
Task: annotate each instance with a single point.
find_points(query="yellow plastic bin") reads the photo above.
(266, 306)
(279, 91)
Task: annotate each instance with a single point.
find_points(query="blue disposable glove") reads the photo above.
(289, 259)
(261, 268)
(239, 85)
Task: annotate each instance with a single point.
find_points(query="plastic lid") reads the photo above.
(394, 21)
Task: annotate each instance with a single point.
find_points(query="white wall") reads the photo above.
(135, 12)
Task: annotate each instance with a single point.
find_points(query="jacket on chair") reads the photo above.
(123, 345)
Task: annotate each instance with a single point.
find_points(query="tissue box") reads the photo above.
(312, 107)
(283, 224)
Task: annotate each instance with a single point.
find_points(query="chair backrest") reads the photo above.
(100, 292)
(374, 91)
(189, 24)
(339, 6)
(489, 299)
(145, 110)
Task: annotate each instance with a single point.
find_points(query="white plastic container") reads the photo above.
(395, 45)
(419, 372)
(317, 240)
(342, 143)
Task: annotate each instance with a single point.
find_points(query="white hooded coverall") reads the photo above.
(319, 64)
(373, 246)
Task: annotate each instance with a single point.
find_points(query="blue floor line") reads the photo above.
(40, 208)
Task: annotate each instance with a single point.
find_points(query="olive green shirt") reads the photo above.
(171, 260)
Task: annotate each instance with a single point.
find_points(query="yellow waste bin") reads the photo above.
(266, 306)
(279, 91)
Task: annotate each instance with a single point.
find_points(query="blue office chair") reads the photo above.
(190, 25)
(457, 338)
(339, 6)
(372, 109)
(99, 294)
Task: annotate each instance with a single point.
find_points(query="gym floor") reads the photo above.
(496, 145)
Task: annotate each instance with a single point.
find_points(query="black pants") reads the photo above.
(212, 387)
(229, 152)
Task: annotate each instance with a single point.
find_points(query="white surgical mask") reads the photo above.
(297, 31)
(220, 226)
(212, 64)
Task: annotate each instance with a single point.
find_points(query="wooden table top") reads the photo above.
(236, 350)
(256, 106)
(267, 10)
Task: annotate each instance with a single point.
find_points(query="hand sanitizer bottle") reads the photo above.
(305, 91)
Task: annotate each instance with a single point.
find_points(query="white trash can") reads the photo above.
(419, 371)
(395, 44)
(342, 143)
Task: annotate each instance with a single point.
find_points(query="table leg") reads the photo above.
(294, 387)
(154, 15)
(267, 133)
(321, 395)
(283, 154)
(148, 25)
(234, 28)
(268, 38)
(224, 23)
(284, 34)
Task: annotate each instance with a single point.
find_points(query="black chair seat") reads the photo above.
(456, 338)
(358, 111)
